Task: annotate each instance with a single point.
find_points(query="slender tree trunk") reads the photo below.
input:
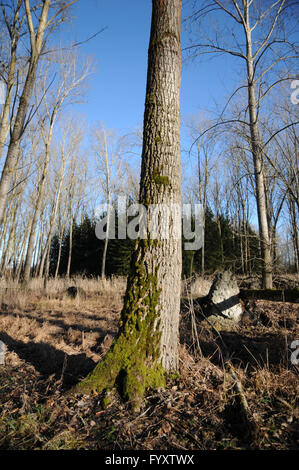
(191, 265)
(203, 247)
(12, 232)
(36, 214)
(47, 270)
(22, 254)
(4, 236)
(258, 168)
(148, 339)
(58, 257)
(61, 234)
(105, 251)
(14, 37)
(69, 260)
(7, 103)
(9, 221)
(42, 261)
(18, 128)
(38, 255)
(203, 199)
(295, 232)
(46, 254)
(261, 210)
(106, 241)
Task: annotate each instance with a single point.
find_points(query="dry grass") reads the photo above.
(52, 340)
(56, 326)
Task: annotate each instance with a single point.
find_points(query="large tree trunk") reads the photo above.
(147, 342)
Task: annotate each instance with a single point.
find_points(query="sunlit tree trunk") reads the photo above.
(40, 195)
(69, 259)
(36, 40)
(148, 339)
(258, 169)
(61, 230)
(14, 34)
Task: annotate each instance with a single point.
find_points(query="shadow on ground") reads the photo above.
(246, 351)
(244, 348)
(48, 360)
(61, 323)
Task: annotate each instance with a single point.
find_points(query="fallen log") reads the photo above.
(276, 295)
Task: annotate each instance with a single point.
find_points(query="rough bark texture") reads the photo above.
(147, 343)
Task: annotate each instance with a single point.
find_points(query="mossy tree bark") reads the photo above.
(147, 342)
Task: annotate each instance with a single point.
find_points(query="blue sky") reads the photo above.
(117, 90)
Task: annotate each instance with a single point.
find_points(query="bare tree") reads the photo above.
(68, 86)
(13, 24)
(38, 23)
(256, 36)
(107, 148)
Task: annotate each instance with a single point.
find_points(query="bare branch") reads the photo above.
(216, 125)
(30, 27)
(272, 65)
(280, 130)
(215, 49)
(76, 44)
(270, 31)
(264, 14)
(228, 12)
(272, 86)
(51, 20)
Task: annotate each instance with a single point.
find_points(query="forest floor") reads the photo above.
(53, 340)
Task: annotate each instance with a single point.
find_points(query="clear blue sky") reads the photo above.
(117, 90)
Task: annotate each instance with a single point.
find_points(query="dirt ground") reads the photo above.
(52, 340)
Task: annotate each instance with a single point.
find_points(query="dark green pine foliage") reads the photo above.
(87, 252)
(220, 253)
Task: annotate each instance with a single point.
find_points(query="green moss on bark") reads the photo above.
(159, 179)
(133, 362)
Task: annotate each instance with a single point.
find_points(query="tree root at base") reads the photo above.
(125, 368)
